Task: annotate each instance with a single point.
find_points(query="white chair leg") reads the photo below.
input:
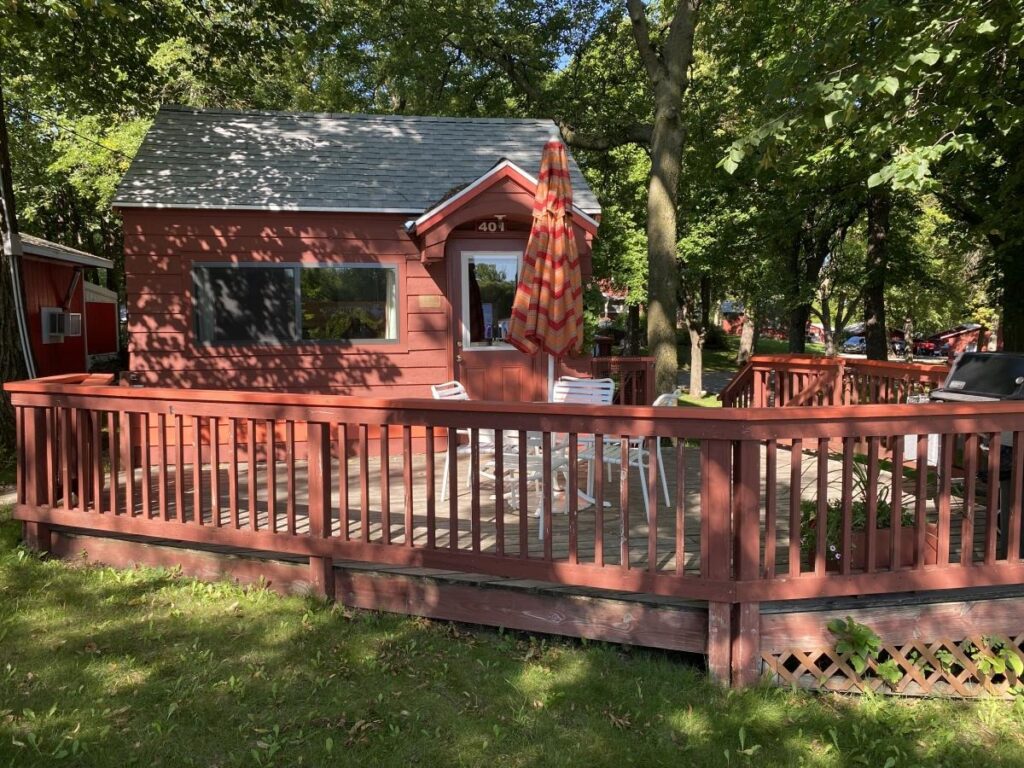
(664, 480)
(444, 478)
(643, 486)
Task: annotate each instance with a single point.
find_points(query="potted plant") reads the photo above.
(858, 535)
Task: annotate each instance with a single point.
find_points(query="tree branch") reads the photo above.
(637, 133)
(678, 49)
(642, 34)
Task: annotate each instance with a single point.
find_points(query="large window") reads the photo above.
(488, 290)
(270, 304)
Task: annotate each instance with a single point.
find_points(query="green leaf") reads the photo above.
(728, 164)
(1015, 663)
(928, 56)
(890, 85)
(830, 119)
(987, 27)
(877, 178)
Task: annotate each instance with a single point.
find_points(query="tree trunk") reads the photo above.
(12, 361)
(799, 314)
(667, 67)
(632, 346)
(876, 337)
(1011, 325)
(746, 339)
(697, 337)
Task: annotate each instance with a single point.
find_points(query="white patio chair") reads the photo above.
(638, 456)
(454, 390)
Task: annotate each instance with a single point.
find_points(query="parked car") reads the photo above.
(898, 347)
(855, 345)
(930, 348)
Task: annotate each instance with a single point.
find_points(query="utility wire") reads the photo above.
(64, 127)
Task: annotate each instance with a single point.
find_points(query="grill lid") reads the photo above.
(996, 375)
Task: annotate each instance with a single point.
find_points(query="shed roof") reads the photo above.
(219, 159)
(46, 249)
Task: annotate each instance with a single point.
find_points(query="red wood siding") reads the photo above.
(101, 327)
(46, 285)
(162, 246)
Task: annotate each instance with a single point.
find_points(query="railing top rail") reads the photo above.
(815, 362)
(726, 424)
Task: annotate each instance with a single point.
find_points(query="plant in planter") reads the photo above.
(858, 537)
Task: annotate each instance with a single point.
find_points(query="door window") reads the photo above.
(488, 289)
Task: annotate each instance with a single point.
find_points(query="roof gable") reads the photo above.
(220, 159)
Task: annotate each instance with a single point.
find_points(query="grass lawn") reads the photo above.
(725, 359)
(106, 668)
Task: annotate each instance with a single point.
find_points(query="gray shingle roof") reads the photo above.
(300, 161)
(47, 249)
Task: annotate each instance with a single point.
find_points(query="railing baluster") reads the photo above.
(796, 457)
(21, 456)
(364, 481)
(499, 493)
(770, 507)
(598, 470)
(453, 489)
(896, 515)
(407, 483)
(233, 472)
(289, 470)
(871, 524)
(431, 481)
(82, 451)
(250, 474)
(179, 467)
(992, 498)
(652, 499)
(944, 491)
(147, 469)
(127, 461)
(970, 495)
(343, 478)
(624, 502)
(573, 499)
(921, 516)
(385, 484)
(65, 458)
(52, 448)
(97, 460)
(821, 539)
(163, 511)
(1014, 523)
(474, 491)
(197, 470)
(547, 482)
(215, 471)
(271, 444)
(524, 502)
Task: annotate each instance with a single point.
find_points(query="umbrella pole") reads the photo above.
(551, 378)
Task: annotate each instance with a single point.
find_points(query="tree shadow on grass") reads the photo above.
(143, 667)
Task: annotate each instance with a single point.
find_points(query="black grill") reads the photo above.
(983, 376)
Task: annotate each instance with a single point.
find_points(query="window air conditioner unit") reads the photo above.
(54, 325)
(73, 324)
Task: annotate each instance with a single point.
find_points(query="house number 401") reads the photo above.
(497, 224)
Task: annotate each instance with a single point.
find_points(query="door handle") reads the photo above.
(458, 358)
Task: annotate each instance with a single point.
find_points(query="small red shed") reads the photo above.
(349, 254)
(56, 306)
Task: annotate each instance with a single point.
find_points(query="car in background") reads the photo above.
(898, 347)
(930, 348)
(855, 345)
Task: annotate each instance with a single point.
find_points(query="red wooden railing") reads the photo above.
(798, 380)
(752, 492)
(634, 377)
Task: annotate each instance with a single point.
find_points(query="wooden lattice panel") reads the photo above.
(940, 668)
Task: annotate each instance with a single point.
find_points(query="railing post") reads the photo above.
(32, 457)
(715, 461)
(746, 617)
(321, 569)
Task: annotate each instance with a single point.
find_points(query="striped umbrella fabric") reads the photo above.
(547, 314)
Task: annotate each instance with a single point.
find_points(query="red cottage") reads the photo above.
(65, 330)
(347, 254)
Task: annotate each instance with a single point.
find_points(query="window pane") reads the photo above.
(245, 304)
(491, 291)
(349, 304)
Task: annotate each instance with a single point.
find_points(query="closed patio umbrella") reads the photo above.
(547, 314)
